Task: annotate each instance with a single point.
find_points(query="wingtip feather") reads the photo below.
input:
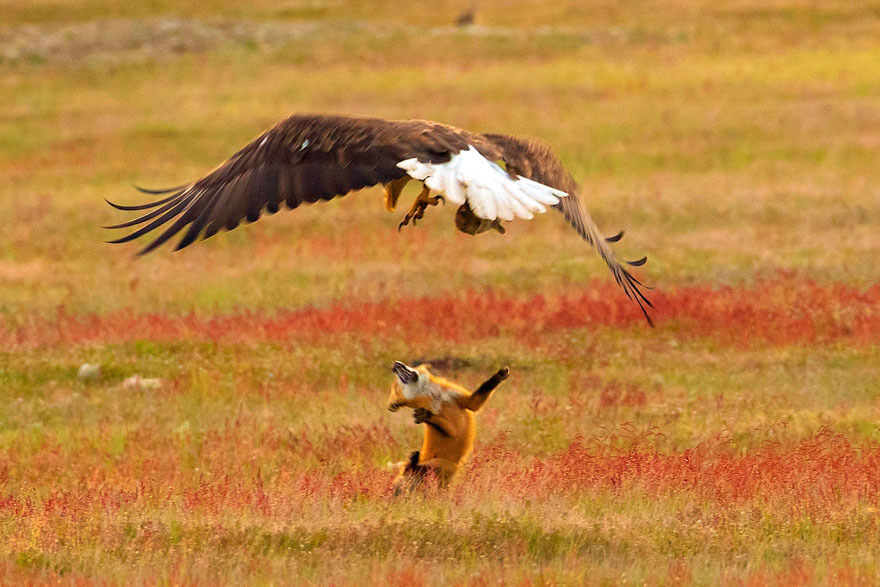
(638, 262)
(143, 206)
(122, 239)
(144, 190)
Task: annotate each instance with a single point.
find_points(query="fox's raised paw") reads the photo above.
(421, 415)
(503, 373)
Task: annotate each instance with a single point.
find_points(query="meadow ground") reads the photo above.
(737, 442)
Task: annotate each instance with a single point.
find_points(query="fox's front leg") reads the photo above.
(442, 425)
(479, 397)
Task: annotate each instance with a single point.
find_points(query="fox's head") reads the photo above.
(409, 387)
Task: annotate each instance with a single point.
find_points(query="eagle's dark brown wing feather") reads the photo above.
(308, 158)
(536, 161)
(303, 159)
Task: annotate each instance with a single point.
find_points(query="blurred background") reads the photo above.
(217, 414)
(729, 140)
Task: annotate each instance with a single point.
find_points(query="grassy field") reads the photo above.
(738, 442)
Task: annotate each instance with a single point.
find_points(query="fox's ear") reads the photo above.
(404, 373)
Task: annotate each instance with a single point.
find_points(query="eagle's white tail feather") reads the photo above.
(533, 205)
(543, 193)
(517, 203)
(455, 193)
(483, 202)
(484, 185)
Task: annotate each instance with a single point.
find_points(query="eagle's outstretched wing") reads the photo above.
(536, 161)
(307, 158)
(303, 159)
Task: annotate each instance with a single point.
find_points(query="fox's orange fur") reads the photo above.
(447, 411)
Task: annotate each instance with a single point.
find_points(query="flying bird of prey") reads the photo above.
(307, 158)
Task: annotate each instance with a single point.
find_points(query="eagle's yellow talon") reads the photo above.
(417, 210)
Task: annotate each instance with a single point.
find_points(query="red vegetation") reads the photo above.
(820, 477)
(779, 311)
(614, 394)
(816, 477)
(249, 480)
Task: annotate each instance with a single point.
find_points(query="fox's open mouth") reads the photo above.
(404, 373)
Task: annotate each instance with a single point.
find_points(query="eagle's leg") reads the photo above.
(417, 210)
(392, 192)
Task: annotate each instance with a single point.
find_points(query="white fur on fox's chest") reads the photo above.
(424, 387)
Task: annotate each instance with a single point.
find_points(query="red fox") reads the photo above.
(447, 411)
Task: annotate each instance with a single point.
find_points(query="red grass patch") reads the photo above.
(818, 477)
(615, 394)
(822, 478)
(776, 311)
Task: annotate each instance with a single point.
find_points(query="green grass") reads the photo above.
(730, 141)
(713, 184)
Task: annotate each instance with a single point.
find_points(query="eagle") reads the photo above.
(306, 158)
